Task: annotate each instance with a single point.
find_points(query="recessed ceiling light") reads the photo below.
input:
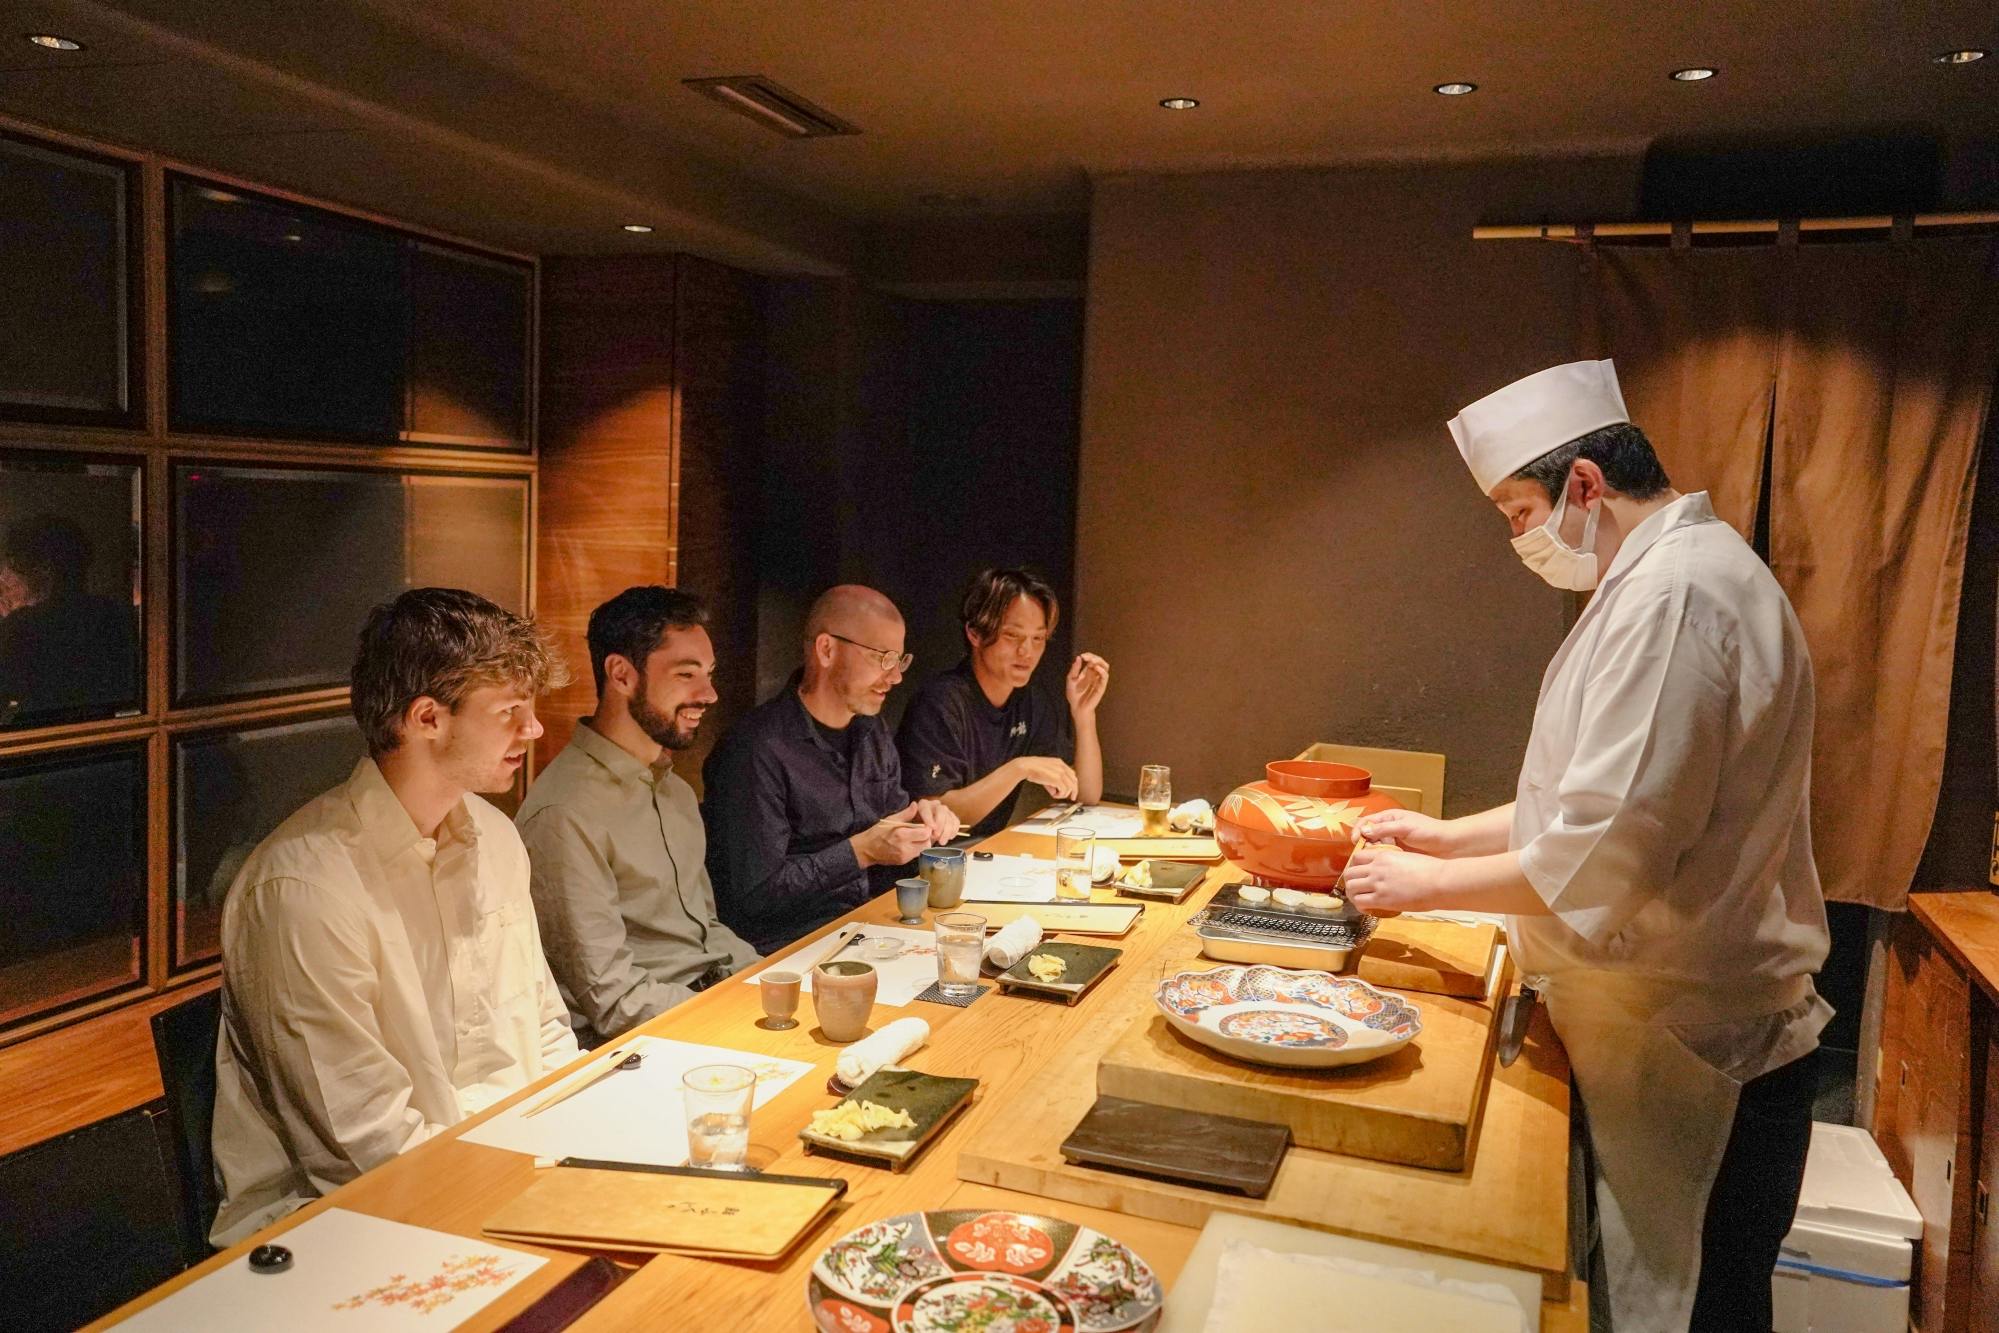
(1965, 57)
(1179, 103)
(1455, 89)
(638, 227)
(1695, 74)
(54, 43)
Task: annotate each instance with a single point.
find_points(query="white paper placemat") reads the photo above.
(349, 1271)
(1010, 879)
(633, 1115)
(899, 979)
(1106, 821)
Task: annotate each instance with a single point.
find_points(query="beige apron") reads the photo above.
(1659, 1120)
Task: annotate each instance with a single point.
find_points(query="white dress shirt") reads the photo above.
(378, 987)
(1663, 805)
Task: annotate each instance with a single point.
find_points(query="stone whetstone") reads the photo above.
(1219, 1151)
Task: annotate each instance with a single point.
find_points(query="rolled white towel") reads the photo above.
(1103, 865)
(1011, 942)
(885, 1047)
(1195, 816)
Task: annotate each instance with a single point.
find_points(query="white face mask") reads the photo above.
(1563, 566)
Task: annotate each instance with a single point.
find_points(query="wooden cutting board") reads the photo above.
(1510, 1205)
(1418, 1106)
(1435, 957)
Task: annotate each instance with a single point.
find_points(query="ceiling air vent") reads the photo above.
(772, 106)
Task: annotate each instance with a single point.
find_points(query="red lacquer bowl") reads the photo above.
(1296, 828)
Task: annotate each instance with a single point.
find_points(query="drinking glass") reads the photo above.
(1075, 846)
(779, 991)
(1155, 800)
(718, 1100)
(961, 942)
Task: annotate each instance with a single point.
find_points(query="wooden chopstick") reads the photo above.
(579, 1083)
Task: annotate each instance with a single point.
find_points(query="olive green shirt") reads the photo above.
(620, 883)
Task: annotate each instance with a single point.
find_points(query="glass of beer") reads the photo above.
(1155, 800)
(1075, 846)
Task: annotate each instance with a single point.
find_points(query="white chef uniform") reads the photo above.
(1662, 813)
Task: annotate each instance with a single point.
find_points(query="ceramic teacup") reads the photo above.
(843, 996)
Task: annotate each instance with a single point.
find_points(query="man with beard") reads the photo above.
(620, 857)
(381, 975)
(805, 795)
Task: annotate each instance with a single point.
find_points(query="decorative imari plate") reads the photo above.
(1276, 1016)
(980, 1272)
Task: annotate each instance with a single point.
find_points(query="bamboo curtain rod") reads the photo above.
(1573, 231)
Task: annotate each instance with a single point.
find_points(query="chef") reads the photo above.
(1656, 862)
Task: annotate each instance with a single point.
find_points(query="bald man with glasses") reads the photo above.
(806, 811)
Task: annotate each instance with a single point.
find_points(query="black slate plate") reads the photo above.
(1087, 965)
(929, 1099)
(1218, 1151)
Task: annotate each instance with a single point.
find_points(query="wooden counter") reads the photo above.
(1005, 1041)
(1967, 925)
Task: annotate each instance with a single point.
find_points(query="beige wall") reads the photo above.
(1276, 542)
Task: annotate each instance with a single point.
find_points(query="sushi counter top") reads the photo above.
(1501, 1194)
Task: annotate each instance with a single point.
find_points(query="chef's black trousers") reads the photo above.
(1754, 1199)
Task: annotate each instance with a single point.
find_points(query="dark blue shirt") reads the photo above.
(952, 736)
(780, 802)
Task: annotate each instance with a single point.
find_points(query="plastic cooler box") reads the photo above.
(1845, 1265)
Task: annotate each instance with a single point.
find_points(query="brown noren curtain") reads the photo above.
(1874, 366)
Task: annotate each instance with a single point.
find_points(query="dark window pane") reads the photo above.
(275, 568)
(230, 790)
(71, 645)
(72, 877)
(63, 284)
(283, 320)
(468, 349)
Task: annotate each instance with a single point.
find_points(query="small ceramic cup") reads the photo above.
(843, 996)
(944, 868)
(910, 897)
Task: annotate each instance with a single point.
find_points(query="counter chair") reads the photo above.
(184, 1040)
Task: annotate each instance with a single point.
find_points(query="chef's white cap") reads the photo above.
(1511, 427)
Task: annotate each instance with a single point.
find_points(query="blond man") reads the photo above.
(382, 977)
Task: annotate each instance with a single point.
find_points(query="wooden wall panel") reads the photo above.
(83, 1072)
(718, 369)
(607, 453)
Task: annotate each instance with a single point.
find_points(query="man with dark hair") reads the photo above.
(1657, 862)
(804, 795)
(975, 733)
(382, 977)
(620, 856)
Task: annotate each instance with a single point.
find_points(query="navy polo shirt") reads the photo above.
(952, 736)
(780, 802)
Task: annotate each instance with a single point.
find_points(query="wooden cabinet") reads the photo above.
(1984, 1211)
(1936, 1115)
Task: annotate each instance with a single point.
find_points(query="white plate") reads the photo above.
(1294, 1019)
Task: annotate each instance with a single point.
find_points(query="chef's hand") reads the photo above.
(1053, 774)
(1089, 676)
(938, 818)
(1407, 828)
(1382, 881)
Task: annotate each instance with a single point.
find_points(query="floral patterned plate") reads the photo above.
(993, 1272)
(1277, 1016)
